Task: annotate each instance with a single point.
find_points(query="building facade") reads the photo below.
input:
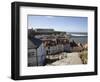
(36, 52)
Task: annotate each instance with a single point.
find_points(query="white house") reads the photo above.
(36, 52)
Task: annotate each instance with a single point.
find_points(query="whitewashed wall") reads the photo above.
(41, 53)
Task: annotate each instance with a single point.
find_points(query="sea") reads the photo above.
(78, 37)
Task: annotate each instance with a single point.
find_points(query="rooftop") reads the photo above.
(36, 42)
(31, 44)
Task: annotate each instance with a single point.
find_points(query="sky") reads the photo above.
(58, 23)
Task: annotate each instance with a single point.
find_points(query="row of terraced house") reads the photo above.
(43, 42)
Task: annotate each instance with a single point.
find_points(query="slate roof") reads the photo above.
(31, 44)
(36, 42)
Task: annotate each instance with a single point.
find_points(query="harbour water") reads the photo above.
(79, 37)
